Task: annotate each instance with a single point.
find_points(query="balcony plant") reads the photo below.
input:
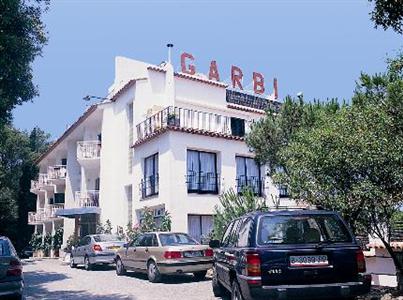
(172, 119)
(57, 241)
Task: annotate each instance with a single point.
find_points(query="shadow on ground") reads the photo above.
(35, 289)
(168, 279)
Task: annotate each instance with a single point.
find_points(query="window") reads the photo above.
(176, 239)
(244, 230)
(59, 198)
(200, 227)
(233, 238)
(149, 184)
(4, 249)
(238, 127)
(248, 175)
(202, 174)
(148, 240)
(302, 229)
(225, 238)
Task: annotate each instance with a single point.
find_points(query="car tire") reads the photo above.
(200, 275)
(153, 273)
(218, 288)
(236, 291)
(120, 268)
(72, 264)
(87, 264)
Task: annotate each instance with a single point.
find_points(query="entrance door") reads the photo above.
(200, 226)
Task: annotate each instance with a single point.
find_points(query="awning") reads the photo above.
(73, 212)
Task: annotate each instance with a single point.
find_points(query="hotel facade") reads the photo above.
(162, 139)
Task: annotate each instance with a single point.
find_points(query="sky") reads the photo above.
(318, 47)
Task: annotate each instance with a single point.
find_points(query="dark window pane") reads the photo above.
(238, 127)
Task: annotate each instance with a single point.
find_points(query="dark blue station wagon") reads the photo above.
(289, 254)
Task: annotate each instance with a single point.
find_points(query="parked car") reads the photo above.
(11, 277)
(95, 249)
(26, 252)
(298, 254)
(159, 253)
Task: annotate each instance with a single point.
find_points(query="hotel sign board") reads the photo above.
(252, 101)
(237, 76)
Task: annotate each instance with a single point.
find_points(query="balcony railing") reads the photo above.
(44, 214)
(87, 198)
(57, 172)
(88, 149)
(254, 183)
(43, 180)
(176, 117)
(202, 183)
(283, 191)
(149, 186)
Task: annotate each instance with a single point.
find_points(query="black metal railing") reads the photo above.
(255, 183)
(202, 183)
(283, 191)
(176, 117)
(149, 186)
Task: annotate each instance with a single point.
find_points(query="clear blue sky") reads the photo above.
(318, 47)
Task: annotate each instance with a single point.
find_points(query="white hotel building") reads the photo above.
(169, 141)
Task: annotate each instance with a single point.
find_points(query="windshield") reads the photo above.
(174, 239)
(303, 229)
(106, 238)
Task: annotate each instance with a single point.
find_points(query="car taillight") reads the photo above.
(97, 247)
(15, 268)
(172, 254)
(253, 267)
(208, 252)
(361, 267)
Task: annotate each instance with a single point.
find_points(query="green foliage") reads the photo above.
(47, 244)
(57, 239)
(233, 206)
(132, 232)
(166, 222)
(148, 222)
(22, 36)
(349, 158)
(36, 242)
(388, 14)
(71, 242)
(108, 227)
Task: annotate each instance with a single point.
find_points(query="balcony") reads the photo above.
(202, 183)
(256, 184)
(40, 184)
(89, 153)
(191, 121)
(57, 173)
(149, 186)
(85, 199)
(44, 214)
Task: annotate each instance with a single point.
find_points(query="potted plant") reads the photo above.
(47, 244)
(57, 241)
(36, 244)
(172, 119)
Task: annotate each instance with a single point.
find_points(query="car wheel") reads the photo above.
(72, 264)
(153, 273)
(87, 264)
(218, 288)
(120, 268)
(236, 291)
(200, 275)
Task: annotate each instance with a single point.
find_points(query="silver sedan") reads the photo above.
(95, 249)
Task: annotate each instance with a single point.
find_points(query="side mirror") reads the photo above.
(214, 244)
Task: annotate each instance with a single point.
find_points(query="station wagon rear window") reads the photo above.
(175, 239)
(302, 229)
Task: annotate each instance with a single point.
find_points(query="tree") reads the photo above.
(351, 160)
(388, 14)
(22, 36)
(233, 205)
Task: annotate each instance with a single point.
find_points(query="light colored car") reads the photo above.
(95, 249)
(158, 253)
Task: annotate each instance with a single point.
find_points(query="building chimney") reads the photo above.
(169, 79)
(170, 46)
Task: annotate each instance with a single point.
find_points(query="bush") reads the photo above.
(47, 244)
(36, 241)
(57, 239)
(72, 241)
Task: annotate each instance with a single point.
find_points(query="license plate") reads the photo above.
(114, 248)
(309, 261)
(192, 254)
